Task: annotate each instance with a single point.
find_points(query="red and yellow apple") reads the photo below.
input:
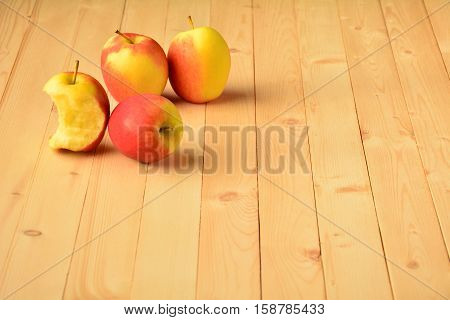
(199, 64)
(133, 64)
(83, 111)
(146, 127)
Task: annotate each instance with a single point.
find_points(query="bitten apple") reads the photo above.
(133, 64)
(199, 64)
(83, 111)
(146, 127)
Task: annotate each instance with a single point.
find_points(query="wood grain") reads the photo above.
(427, 91)
(291, 264)
(66, 172)
(439, 11)
(219, 219)
(114, 198)
(13, 33)
(229, 265)
(24, 116)
(166, 261)
(351, 246)
(408, 221)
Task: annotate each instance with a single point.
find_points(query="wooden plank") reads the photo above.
(13, 31)
(14, 35)
(55, 200)
(23, 120)
(166, 260)
(229, 266)
(104, 269)
(290, 251)
(408, 221)
(439, 11)
(427, 91)
(352, 251)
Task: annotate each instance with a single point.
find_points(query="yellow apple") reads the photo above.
(83, 111)
(133, 64)
(199, 64)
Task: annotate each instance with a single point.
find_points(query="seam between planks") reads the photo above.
(25, 38)
(74, 249)
(364, 151)
(201, 186)
(141, 209)
(41, 148)
(302, 93)
(200, 208)
(256, 150)
(409, 116)
(85, 193)
(33, 24)
(430, 12)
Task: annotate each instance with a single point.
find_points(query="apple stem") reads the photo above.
(191, 23)
(74, 79)
(124, 36)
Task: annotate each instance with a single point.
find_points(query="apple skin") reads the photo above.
(199, 64)
(83, 111)
(133, 68)
(135, 127)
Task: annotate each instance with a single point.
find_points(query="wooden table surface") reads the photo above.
(363, 213)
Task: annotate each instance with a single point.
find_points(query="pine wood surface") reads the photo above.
(362, 210)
